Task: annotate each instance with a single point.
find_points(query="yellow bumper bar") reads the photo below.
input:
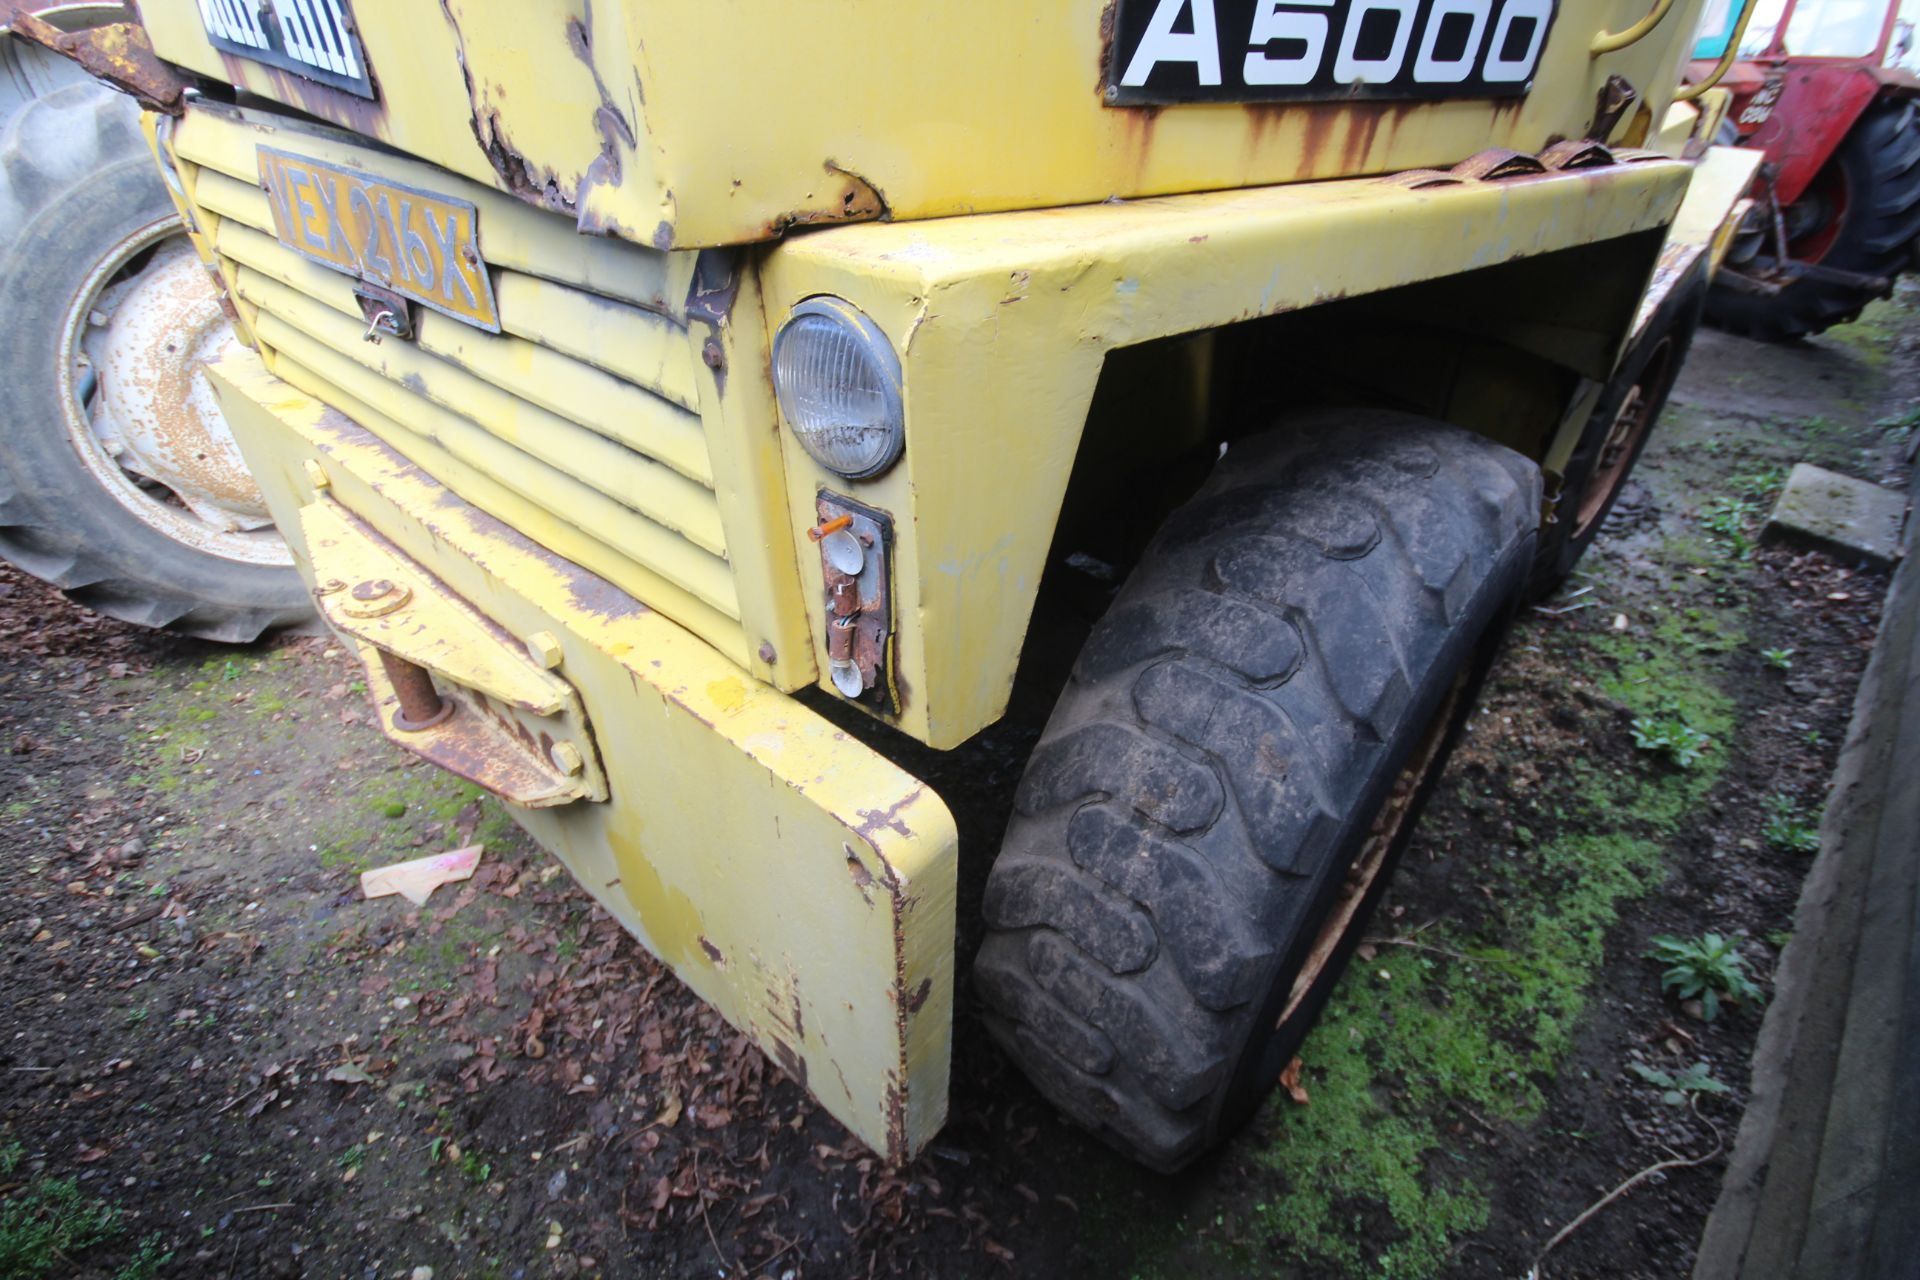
(797, 881)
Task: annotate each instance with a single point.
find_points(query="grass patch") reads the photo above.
(1474, 1021)
(47, 1222)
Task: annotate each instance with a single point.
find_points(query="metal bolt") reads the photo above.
(713, 354)
(377, 597)
(767, 654)
(316, 475)
(544, 648)
(421, 706)
(566, 758)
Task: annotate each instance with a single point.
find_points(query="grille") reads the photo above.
(577, 424)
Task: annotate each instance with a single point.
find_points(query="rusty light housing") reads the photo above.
(838, 380)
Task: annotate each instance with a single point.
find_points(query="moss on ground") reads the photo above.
(1467, 1024)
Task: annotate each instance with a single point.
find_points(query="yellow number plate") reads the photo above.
(420, 245)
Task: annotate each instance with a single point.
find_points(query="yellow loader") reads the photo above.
(682, 407)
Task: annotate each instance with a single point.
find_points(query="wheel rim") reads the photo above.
(1625, 434)
(223, 516)
(1389, 825)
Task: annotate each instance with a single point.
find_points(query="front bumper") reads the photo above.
(797, 881)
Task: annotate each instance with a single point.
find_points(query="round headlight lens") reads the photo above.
(838, 381)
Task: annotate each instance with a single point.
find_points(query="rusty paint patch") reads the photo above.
(919, 996)
(857, 201)
(790, 1062)
(523, 179)
(615, 131)
(873, 821)
(713, 953)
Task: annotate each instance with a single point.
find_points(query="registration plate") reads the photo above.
(311, 38)
(1308, 50)
(419, 244)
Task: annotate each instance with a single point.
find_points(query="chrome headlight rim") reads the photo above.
(886, 362)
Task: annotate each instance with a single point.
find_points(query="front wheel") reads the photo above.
(1232, 771)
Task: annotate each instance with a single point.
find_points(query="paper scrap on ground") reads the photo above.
(416, 880)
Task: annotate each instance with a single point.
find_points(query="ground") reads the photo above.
(217, 1059)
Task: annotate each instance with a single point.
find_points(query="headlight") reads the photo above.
(839, 386)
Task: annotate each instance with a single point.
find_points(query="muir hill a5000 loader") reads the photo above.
(650, 392)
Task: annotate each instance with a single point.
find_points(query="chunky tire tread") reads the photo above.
(75, 157)
(1205, 768)
(1880, 236)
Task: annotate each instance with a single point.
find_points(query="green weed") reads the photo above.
(1786, 828)
(147, 1259)
(1778, 659)
(1697, 1078)
(1727, 518)
(1672, 737)
(1707, 969)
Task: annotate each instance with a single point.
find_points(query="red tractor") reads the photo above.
(1827, 89)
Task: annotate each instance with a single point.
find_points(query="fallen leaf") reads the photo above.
(1290, 1081)
(348, 1073)
(669, 1112)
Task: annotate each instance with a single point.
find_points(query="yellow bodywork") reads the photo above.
(588, 500)
(676, 123)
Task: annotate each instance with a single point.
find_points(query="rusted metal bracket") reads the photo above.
(118, 53)
(447, 683)
(1616, 95)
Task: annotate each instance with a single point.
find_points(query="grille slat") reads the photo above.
(651, 490)
(699, 573)
(544, 379)
(638, 346)
(584, 549)
(577, 424)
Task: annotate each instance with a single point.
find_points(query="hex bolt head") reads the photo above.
(566, 758)
(316, 475)
(544, 648)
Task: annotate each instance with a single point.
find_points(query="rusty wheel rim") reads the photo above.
(148, 500)
(1389, 824)
(1625, 434)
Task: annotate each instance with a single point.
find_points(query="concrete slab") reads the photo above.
(1852, 519)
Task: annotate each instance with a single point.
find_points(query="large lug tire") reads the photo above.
(1236, 762)
(1875, 176)
(1617, 431)
(79, 194)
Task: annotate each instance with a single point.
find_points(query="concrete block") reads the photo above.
(1854, 520)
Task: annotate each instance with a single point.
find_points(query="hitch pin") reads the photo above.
(373, 326)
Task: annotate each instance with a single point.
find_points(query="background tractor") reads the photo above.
(1827, 89)
(119, 481)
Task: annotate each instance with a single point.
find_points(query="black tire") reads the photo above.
(1623, 420)
(1313, 617)
(77, 180)
(1878, 166)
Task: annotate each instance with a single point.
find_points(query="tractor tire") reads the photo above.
(1878, 167)
(80, 196)
(1237, 761)
(1622, 421)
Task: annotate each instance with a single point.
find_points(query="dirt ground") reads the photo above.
(238, 1067)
